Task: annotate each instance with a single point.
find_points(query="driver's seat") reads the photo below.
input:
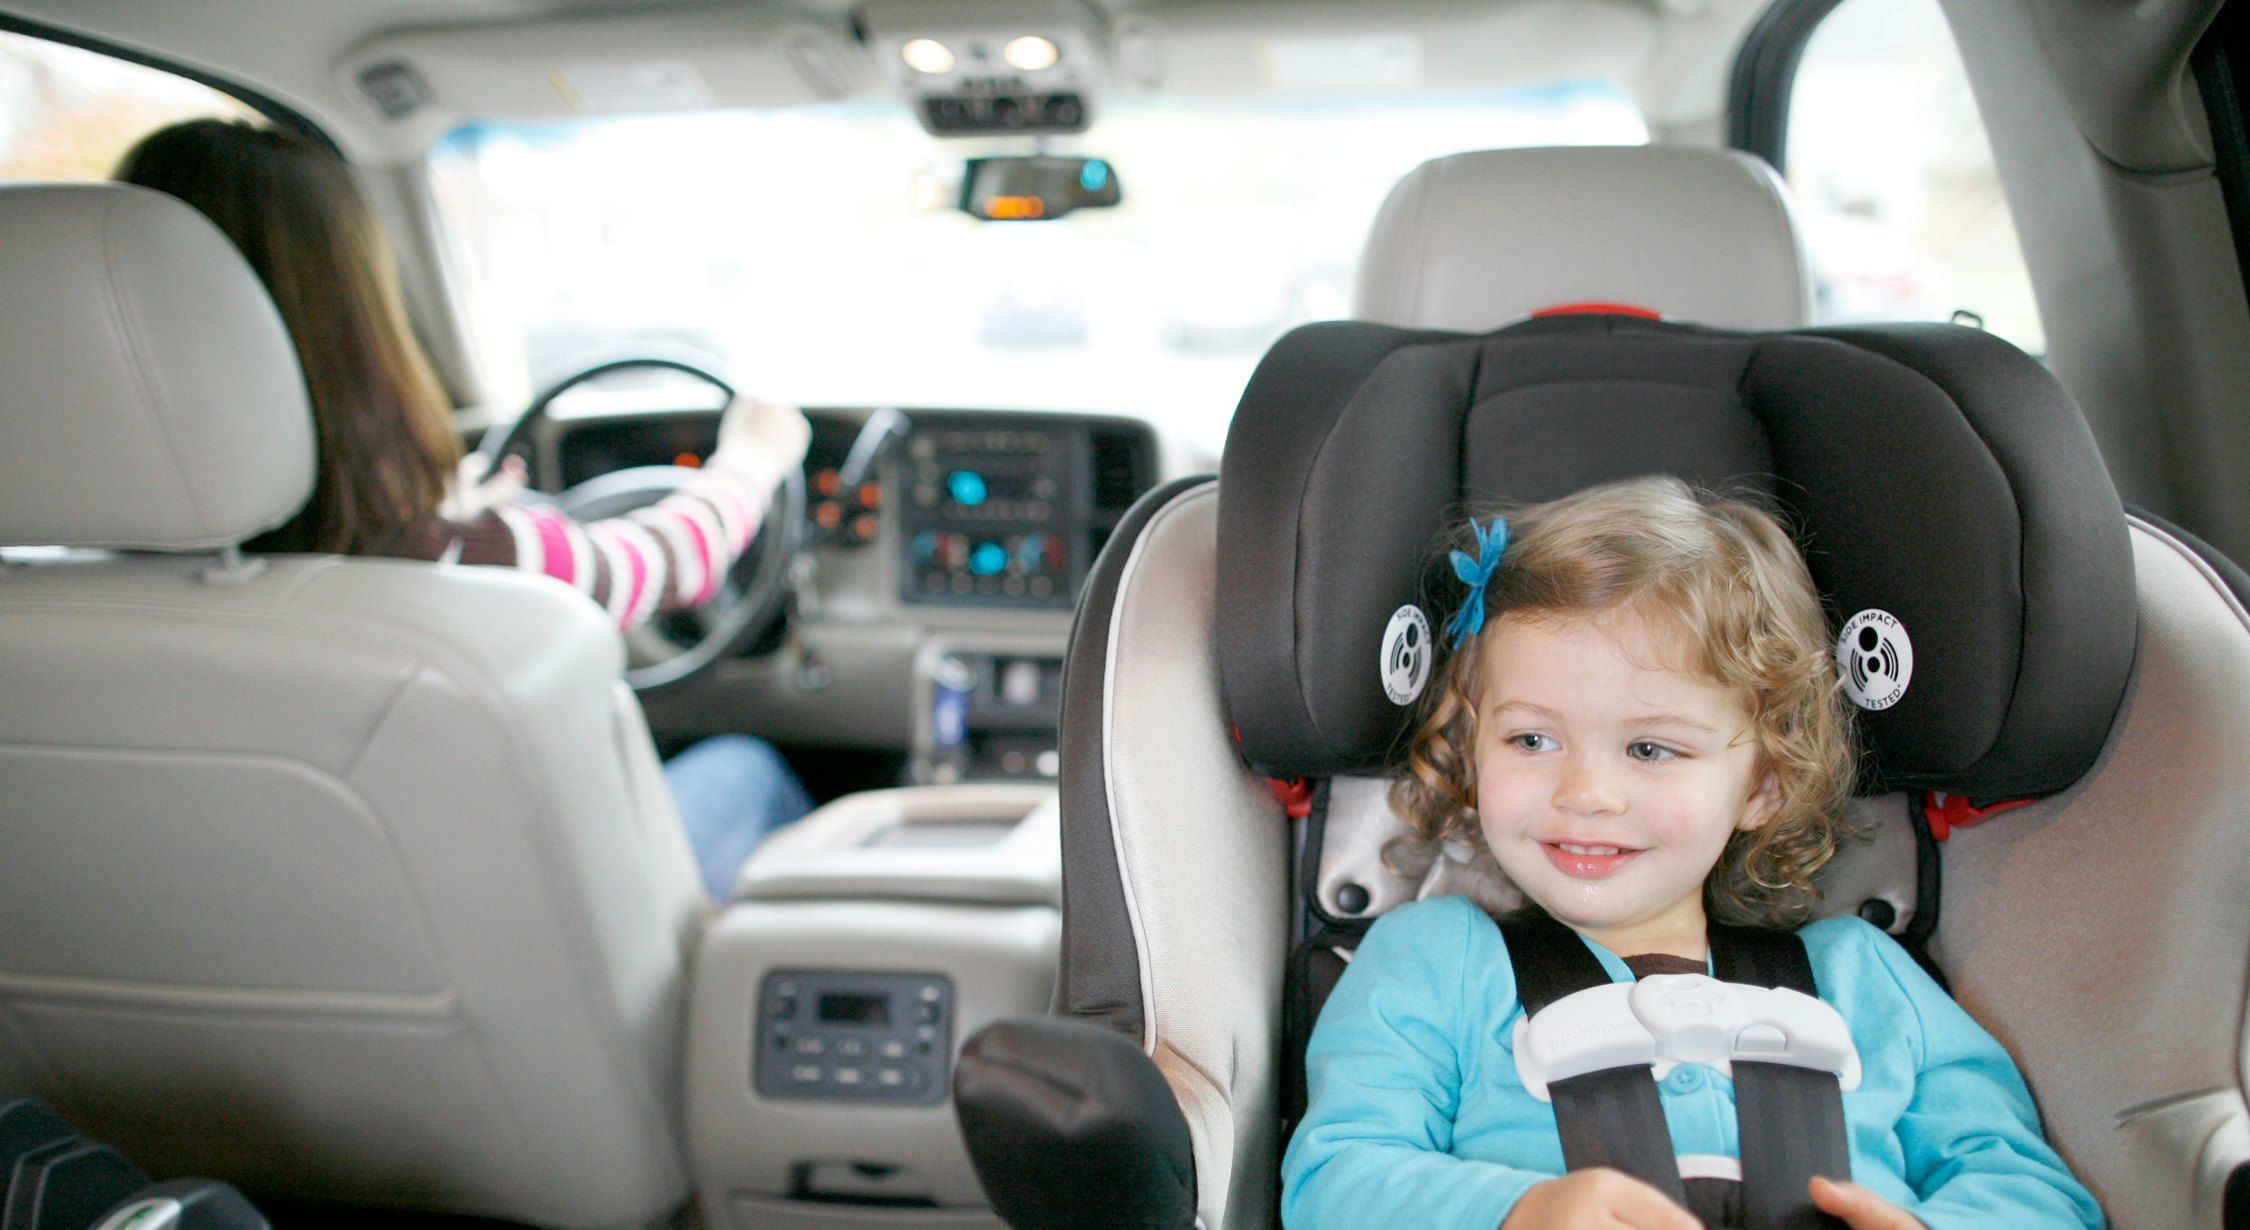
(343, 878)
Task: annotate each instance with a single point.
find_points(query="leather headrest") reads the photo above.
(1936, 475)
(1476, 241)
(149, 394)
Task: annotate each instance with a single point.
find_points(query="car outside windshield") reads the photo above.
(816, 249)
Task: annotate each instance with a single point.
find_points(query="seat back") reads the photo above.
(348, 879)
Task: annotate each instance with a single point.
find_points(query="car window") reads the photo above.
(1894, 177)
(70, 114)
(816, 248)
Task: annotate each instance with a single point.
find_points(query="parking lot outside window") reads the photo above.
(1894, 177)
(68, 114)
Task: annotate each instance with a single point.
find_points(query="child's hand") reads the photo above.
(1598, 1199)
(1859, 1208)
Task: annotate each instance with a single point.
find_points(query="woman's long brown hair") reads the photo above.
(386, 437)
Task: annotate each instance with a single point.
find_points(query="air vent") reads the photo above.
(1123, 468)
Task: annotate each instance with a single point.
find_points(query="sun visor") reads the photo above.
(634, 62)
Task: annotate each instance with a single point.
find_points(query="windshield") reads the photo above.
(816, 249)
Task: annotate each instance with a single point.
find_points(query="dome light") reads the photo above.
(1031, 53)
(927, 55)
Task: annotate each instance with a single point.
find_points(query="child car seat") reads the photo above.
(2063, 653)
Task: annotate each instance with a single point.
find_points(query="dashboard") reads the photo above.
(945, 551)
(998, 509)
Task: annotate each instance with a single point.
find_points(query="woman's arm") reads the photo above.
(670, 555)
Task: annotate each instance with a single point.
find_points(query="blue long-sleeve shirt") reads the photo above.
(1416, 1116)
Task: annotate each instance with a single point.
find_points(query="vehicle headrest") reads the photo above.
(149, 394)
(1477, 241)
(1933, 473)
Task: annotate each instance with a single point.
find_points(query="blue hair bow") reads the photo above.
(1492, 541)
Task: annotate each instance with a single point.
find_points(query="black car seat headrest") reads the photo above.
(1955, 512)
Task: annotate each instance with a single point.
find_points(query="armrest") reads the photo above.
(972, 844)
(1070, 1125)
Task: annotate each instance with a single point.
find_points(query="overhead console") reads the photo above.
(976, 67)
(1010, 510)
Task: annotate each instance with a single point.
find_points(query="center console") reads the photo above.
(864, 944)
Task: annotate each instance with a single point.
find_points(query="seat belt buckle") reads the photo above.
(1666, 1020)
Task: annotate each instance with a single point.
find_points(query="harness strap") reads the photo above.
(1611, 1118)
(1790, 1119)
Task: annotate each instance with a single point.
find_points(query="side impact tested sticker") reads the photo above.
(1876, 658)
(1406, 654)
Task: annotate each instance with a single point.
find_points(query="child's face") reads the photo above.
(1610, 776)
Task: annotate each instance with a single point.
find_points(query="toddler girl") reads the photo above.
(1640, 725)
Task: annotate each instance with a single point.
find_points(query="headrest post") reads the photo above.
(232, 567)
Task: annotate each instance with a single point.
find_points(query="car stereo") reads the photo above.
(1010, 509)
(843, 1035)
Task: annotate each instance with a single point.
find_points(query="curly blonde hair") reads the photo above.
(1730, 576)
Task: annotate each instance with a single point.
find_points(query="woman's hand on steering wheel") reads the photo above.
(471, 491)
(761, 441)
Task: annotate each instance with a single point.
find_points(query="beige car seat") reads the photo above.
(344, 878)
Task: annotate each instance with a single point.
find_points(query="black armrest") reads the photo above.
(1070, 1125)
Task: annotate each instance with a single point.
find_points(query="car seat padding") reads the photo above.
(1934, 473)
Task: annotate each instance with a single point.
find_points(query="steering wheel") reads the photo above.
(675, 647)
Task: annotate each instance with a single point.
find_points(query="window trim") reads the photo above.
(280, 114)
(1765, 75)
(2221, 62)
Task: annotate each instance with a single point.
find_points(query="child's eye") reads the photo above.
(1533, 743)
(1654, 753)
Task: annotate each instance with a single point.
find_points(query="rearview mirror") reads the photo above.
(1036, 187)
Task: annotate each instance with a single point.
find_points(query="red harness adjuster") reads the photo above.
(1947, 812)
(1295, 794)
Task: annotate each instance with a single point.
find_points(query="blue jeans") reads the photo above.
(732, 790)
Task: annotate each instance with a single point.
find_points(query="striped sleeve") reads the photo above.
(666, 557)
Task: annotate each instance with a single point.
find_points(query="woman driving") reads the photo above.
(392, 479)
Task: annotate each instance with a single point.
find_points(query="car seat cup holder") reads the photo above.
(1666, 1020)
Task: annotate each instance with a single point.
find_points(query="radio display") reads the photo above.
(972, 487)
(845, 1009)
